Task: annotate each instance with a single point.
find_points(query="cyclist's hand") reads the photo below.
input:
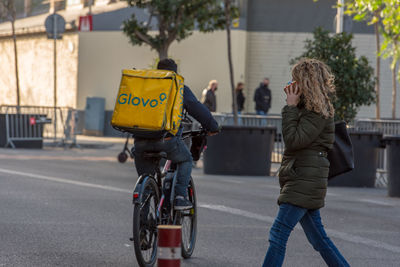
(213, 133)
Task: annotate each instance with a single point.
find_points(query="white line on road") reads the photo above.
(334, 233)
(58, 157)
(377, 202)
(234, 211)
(65, 181)
(332, 194)
(233, 181)
(239, 212)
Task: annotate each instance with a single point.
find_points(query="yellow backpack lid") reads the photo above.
(149, 101)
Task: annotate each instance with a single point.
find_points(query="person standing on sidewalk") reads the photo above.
(240, 97)
(209, 98)
(262, 97)
(308, 132)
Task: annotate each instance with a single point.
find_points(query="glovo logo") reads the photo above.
(181, 91)
(125, 99)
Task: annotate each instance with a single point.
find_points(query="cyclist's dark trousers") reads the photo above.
(177, 152)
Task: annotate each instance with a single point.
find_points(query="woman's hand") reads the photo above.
(293, 94)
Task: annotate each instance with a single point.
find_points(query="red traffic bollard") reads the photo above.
(169, 246)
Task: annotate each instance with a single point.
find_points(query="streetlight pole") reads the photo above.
(55, 69)
(90, 6)
(339, 16)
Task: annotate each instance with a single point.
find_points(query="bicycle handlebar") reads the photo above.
(193, 133)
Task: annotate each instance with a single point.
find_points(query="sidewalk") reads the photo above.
(117, 143)
(93, 142)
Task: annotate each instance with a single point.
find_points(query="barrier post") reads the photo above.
(169, 246)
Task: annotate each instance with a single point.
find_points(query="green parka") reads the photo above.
(303, 175)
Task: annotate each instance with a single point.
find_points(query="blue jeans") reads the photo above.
(261, 112)
(288, 216)
(176, 151)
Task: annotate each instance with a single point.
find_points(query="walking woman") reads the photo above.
(308, 132)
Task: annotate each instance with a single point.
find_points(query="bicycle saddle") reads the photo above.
(155, 155)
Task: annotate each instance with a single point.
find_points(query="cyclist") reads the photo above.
(175, 148)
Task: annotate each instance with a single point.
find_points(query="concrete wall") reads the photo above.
(365, 44)
(201, 57)
(268, 55)
(35, 63)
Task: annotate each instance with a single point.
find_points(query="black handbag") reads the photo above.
(341, 155)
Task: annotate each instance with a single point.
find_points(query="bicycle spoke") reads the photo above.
(186, 231)
(148, 226)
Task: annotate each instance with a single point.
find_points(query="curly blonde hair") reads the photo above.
(316, 84)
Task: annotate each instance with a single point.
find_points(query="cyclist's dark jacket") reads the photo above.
(198, 111)
(304, 169)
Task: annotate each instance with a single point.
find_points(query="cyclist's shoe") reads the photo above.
(182, 203)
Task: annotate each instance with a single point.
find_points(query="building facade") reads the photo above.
(269, 34)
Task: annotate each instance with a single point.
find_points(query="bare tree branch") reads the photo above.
(143, 37)
(174, 32)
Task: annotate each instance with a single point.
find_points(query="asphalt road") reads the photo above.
(73, 208)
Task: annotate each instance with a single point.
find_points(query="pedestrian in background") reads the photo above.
(308, 132)
(240, 97)
(208, 97)
(262, 97)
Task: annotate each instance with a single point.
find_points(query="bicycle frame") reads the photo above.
(163, 173)
(159, 174)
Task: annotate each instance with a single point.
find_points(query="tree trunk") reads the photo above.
(377, 73)
(228, 33)
(27, 7)
(394, 94)
(16, 62)
(163, 52)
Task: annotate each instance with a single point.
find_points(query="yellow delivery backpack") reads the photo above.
(149, 103)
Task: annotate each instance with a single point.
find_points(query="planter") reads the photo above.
(393, 166)
(366, 147)
(240, 150)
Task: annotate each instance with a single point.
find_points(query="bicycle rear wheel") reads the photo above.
(188, 220)
(145, 225)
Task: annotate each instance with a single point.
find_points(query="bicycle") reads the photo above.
(153, 199)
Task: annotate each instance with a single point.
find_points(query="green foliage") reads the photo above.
(387, 14)
(176, 20)
(7, 10)
(354, 77)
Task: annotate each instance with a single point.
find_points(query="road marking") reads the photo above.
(272, 186)
(233, 181)
(334, 233)
(239, 212)
(332, 194)
(65, 181)
(127, 245)
(222, 208)
(57, 157)
(377, 202)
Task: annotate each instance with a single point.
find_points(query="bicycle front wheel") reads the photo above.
(189, 224)
(145, 225)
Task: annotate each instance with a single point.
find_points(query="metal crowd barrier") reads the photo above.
(30, 123)
(256, 120)
(387, 127)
